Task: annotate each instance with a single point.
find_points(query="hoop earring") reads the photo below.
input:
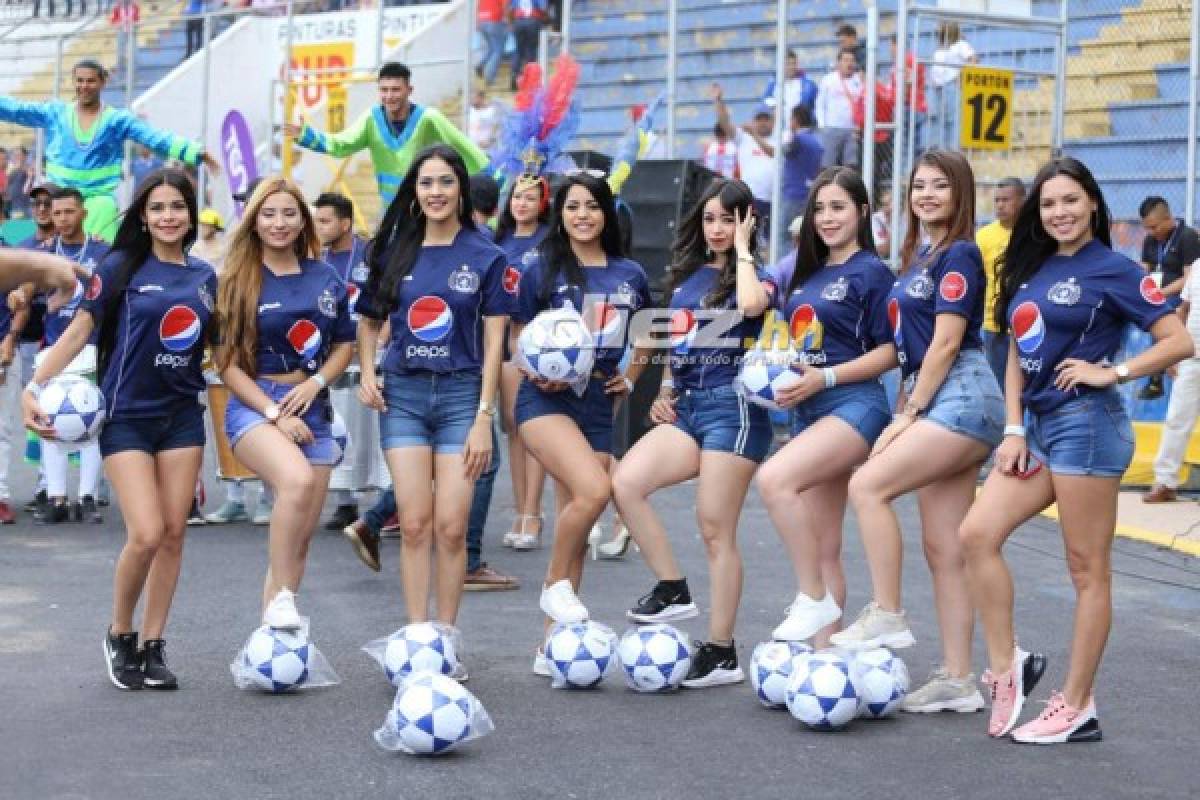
(460, 205)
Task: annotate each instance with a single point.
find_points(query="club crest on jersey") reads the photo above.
(512, 279)
(206, 299)
(836, 292)
(625, 294)
(953, 287)
(430, 318)
(305, 338)
(95, 287)
(179, 329)
(921, 286)
(360, 274)
(682, 330)
(1028, 327)
(464, 280)
(1064, 293)
(327, 304)
(1150, 291)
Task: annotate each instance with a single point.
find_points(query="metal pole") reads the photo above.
(564, 26)
(1060, 88)
(777, 222)
(205, 63)
(58, 66)
(911, 137)
(1189, 204)
(899, 189)
(468, 75)
(672, 68)
(379, 24)
(285, 143)
(130, 54)
(872, 68)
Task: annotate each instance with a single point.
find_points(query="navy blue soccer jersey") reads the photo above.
(88, 255)
(438, 313)
(610, 296)
(351, 266)
(840, 312)
(1077, 307)
(300, 318)
(950, 281)
(516, 247)
(162, 318)
(696, 363)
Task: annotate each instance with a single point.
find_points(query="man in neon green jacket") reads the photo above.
(394, 132)
(85, 143)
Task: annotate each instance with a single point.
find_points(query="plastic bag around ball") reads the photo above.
(763, 373)
(417, 647)
(278, 662)
(431, 715)
(580, 654)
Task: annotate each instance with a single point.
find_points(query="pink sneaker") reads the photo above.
(1009, 689)
(1060, 723)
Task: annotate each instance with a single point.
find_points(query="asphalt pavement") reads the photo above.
(65, 732)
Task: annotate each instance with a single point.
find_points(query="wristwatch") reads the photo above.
(271, 413)
(487, 408)
(912, 409)
(1122, 373)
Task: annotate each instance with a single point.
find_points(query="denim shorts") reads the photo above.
(969, 400)
(429, 409)
(1088, 435)
(863, 406)
(183, 427)
(323, 452)
(592, 413)
(720, 419)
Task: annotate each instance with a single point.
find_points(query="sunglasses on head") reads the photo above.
(594, 173)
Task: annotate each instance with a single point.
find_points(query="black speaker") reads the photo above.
(590, 159)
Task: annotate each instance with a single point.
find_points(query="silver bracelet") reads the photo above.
(830, 377)
(1014, 430)
(34, 388)
(320, 379)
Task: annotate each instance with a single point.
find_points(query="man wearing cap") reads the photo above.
(837, 95)
(85, 143)
(209, 244)
(755, 154)
(30, 334)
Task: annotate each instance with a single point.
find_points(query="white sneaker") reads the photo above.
(805, 617)
(281, 614)
(541, 664)
(875, 627)
(560, 603)
(944, 693)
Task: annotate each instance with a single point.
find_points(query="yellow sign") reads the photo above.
(985, 121)
(317, 72)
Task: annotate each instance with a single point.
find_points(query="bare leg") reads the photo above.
(724, 479)
(451, 506)
(176, 476)
(412, 475)
(134, 480)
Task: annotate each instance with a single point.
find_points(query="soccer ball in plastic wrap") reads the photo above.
(337, 429)
(557, 345)
(430, 715)
(277, 660)
(75, 407)
(655, 658)
(763, 376)
(771, 668)
(821, 692)
(419, 647)
(882, 680)
(581, 654)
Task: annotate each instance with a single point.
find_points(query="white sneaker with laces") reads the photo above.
(805, 617)
(875, 627)
(281, 614)
(944, 693)
(560, 604)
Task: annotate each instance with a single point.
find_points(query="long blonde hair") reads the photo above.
(241, 280)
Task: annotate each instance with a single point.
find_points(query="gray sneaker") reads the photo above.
(875, 628)
(229, 512)
(262, 511)
(944, 693)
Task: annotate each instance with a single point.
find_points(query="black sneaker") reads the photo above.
(668, 600)
(155, 674)
(341, 518)
(713, 665)
(38, 503)
(1153, 388)
(54, 514)
(121, 658)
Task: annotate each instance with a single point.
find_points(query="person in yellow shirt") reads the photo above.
(992, 239)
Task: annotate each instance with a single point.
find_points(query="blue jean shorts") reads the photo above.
(592, 413)
(969, 401)
(429, 409)
(177, 429)
(863, 406)
(1088, 435)
(323, 452)
(720, 419)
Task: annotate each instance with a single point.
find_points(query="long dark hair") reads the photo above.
(1030, 245)
(955, 167)
(690, 251)
(506, 225)
(395, 246)
(132, 246)
(811, 250)
(556, 250)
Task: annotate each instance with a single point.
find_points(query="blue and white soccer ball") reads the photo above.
(277, 660)
(882, 680)
(771, 669)
(75, 407)
(654, 658)
(821, 692)
(431, 714)
(763, 375)
(337, 429)
(419, 647)
(557, 345)
(581, 654)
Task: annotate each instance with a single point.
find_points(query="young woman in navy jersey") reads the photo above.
(286, 335)
(704, 428)
(836, 309)
(1067, 298)
(580, 263)
(951, 416)
(152, 308)
(521, 229)
(442, 285)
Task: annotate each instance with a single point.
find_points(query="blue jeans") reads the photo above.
(969, 401)
(1088, 435)
(385, 507)
(494, 34)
